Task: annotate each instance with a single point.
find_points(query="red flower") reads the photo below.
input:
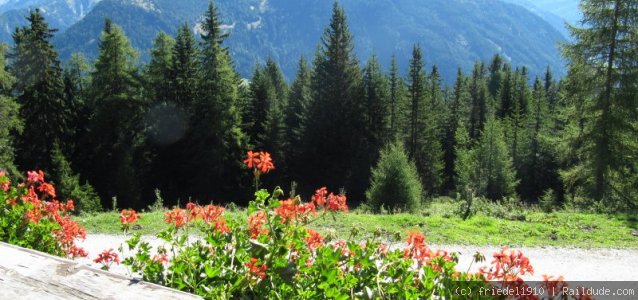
(128, 217)
(508, 265)
(255, 224)
(260, 161)
(221, 227)
(255, 269)
(252, 160)
(177, 217)
(320, 197)
(161, 258)
(211, 213)
(287, 210)
(265, 163)
(337, 203)
(107, 258)
(314, 239)
(70, 206)
(47, 189)
(35, 177)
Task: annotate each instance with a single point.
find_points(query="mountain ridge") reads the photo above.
(453, 33)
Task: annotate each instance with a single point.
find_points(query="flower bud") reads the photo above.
(278, 192)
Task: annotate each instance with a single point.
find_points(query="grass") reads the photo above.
(559, 229)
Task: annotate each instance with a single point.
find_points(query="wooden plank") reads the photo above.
(29, 274)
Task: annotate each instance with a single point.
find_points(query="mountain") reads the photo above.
(555, 12)
(452, 33)
(60, 14)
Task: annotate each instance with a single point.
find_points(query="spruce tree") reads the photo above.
(424, 146)
(334, 134)
(215, 141)
(457, 117)
(395, 183)
(158, 74)
(10, 122)
(603, 57)
(479, 102)
(375, 86)
(398, 104)
(185, 68)
(76, 87)
(539, 170)
(40, 93)
(494, 176)
(296, 117)
(116, 128)
(273, 138)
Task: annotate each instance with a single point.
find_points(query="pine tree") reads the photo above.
(498, 69)
(76, 86)
(423, 143)
(158, 75)
(603, 57)
(273, 138)
(40, 90)
(539, 170)
(457, 117)
(185, 68)
(494, 176)
(116, 128)
(395, 183)
(397, 105)
(334, 134)
(10, 122)
(375, 86)
(416, 89)
(296, 117)
(215, 140)
(479, 104)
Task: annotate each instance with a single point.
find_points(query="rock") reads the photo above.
(635, 233)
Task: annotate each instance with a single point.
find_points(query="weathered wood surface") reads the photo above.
(29, 274)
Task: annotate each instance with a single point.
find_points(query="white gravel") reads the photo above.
(573, 263)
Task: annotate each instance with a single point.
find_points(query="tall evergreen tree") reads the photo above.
(333, 135)
(158, 75)
(457, 116)
(40, 90)
(398, 104)
(215, 141)
(491, 169)
(185, 68)
(10, 122)
(116, 127)
(423, 145)
(273, 138)
(375, 87)
(296, 117)
(539, 170)
(479, 103)
(76, 87)
(603, 56)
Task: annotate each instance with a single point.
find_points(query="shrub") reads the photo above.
(84, 196)
(395, 183)
(547, 202)
(32, 217)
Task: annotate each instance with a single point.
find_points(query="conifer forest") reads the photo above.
(119, 129)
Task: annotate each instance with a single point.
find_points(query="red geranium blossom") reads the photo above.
(255, 269)
(314, 239)
(107, 258)
(256, 223)
(35, 177)
(177, 217)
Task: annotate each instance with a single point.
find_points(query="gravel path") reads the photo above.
(573, 263)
